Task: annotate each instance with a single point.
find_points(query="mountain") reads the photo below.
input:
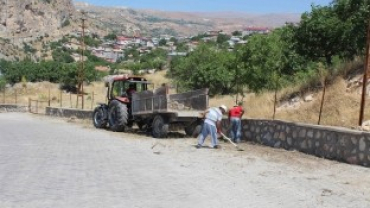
(154, 22)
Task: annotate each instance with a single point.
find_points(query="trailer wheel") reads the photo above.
(141, 125)
(118, 116)
(100, 116)
(193, 129)
(160, 127)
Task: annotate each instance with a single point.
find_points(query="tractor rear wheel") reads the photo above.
(160, 127)
(100, 117)
(117, 116)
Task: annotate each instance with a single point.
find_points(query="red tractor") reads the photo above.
(130, 102)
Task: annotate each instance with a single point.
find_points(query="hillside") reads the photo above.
(32, 20)
(152, 22)
(34, 17)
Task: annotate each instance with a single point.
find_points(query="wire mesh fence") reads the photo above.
(38, 101)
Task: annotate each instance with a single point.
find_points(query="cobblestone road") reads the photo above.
(52, 163)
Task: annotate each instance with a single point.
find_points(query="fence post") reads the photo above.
(49, 98)
(70, 99)
(61, 98)
(275, 98)
(92, 100)
(322, 101)
(29, 105)
(4, 96)
(15, 93)
(37, 106)
(77, 100)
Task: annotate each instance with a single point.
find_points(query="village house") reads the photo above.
(71, 46)
(213, 33)
(102, 68)
(255, 30)
(108, 54)
(122, 42)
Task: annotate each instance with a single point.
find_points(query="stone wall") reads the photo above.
(335, 143)
(68, 113)
(6, 108)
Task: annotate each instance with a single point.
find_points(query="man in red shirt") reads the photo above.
(235, 115)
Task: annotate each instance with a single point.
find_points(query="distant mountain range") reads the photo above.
(154, 22)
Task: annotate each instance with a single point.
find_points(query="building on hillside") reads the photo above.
(175, 53)
(102, 68)
(150, 44)
(255, 30)
(71, 46)
(78, 57)
(208, 39)
(213, 32)
(122, 42)
(78, 33)
(108, 54)
(155, 41)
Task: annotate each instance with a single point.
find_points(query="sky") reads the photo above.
(249, 6)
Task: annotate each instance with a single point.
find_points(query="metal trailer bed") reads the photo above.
(183, 109)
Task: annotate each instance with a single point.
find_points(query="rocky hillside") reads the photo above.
(33, 17)
(29, 21)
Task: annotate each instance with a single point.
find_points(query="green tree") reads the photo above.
(174, 40)
(222, 38)
(162, 42)
(205, 68)
(237, 33)
(2, 82)
(320, 34)
(262, 59)
(354, 15)
(66, 23)
(110, 36)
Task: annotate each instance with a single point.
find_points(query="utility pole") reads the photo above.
(6, 15)
(364, 81)
(80, 73)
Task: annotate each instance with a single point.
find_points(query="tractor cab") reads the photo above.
(121, 87)
(117, 113)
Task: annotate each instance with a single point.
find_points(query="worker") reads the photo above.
(212, 125)
(131, 90)
(235, 115)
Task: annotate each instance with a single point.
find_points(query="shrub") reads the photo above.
(66, 23)
(2, 83)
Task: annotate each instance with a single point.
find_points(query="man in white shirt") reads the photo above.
(212, 125)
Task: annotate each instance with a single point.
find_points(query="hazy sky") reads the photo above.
(250, 6)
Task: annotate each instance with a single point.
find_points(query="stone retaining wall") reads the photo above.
(335, 143)
(5, 108)
(68, 112)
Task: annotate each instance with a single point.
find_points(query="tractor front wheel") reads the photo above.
(100, 117)
(117, 116)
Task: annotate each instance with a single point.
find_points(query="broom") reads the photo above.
(227, 138)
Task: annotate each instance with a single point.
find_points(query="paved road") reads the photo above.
(47, 162)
